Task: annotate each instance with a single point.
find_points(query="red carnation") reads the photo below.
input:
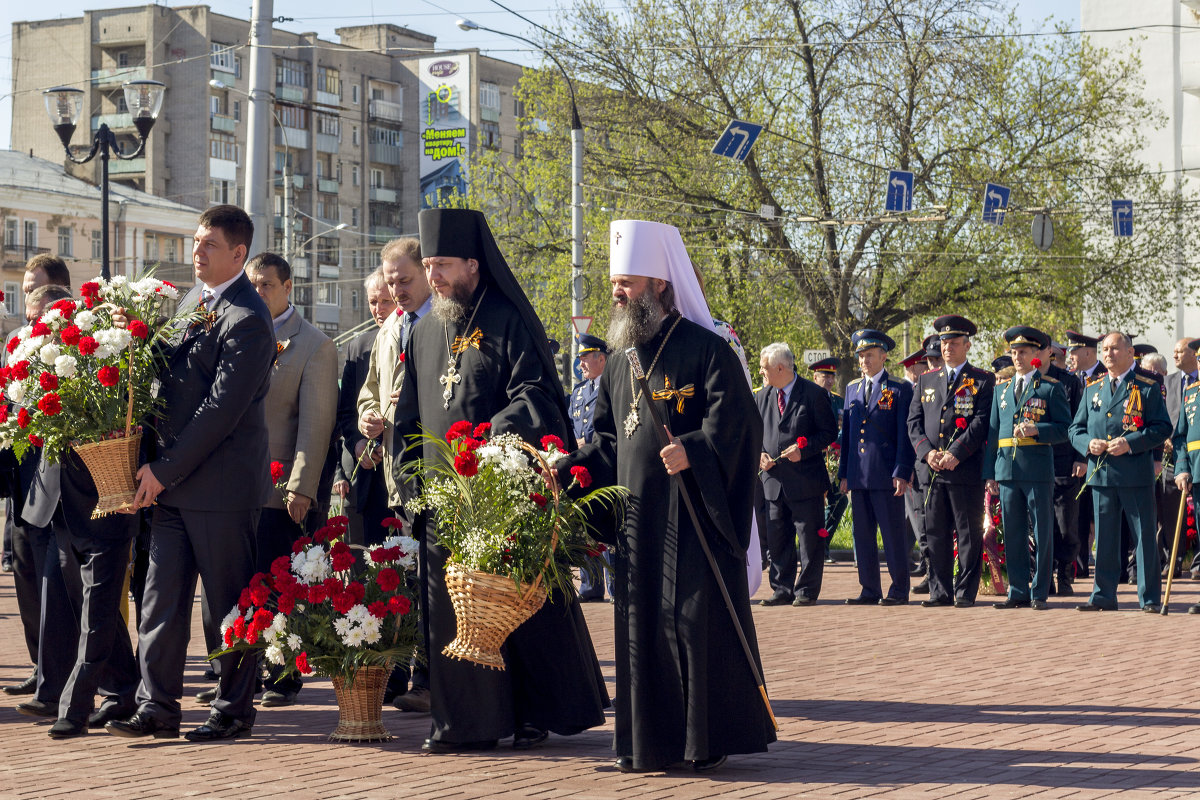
(87, 345)
(801, 442)
(301, 543)
(108, 375)
(70, 335)
(239, 627)
(50, 404)
(342, 602)
(341, 557)
(538, 499)
(22, 419)
(48, 381)
(280, 566)
(260, 594)
(399, 605)
(1037, 363)
(393, 522)
(12, 344)
(287, 604)
(317, 594)
(65, 307)
(402, 358)
(229, 637)
(1137, 422)
(466, 464)
(262, 619)
(3, 413)
(378, 609)
(35, 440)
(138, 329)
(551, 439)
(302, 664)
(276, 471)
(338, 522)
(89, 288)
(458, 429)
(388, 579)
(482, 430)
(20, 370)
(823, 533)
(582, 475)
(960, 423)
(40, 329)
(356, 590)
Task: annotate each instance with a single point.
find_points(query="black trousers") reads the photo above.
(94, 570)
(789, 521)
(58, 625)
(274, 537)
(880, 508)
(217, 547)
(1087, 515)
(954, 507)
(31, 545)
(1066, 526)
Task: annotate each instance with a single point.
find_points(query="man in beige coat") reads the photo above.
(301, 406)
(405, 278)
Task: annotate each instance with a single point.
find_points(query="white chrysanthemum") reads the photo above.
(553, 456)
(230, 618)
(105, 351)
(275, 655)
(115, 282)
(278, 624)
(85, 320)
(65, 366)
(23, 332)
(489, 454)
(54, 318)
(358, 614)
(372, 632)
(342, 626)
(354, 638)
(169, 291)
(294, 641)
(16, 392)
(116, 338)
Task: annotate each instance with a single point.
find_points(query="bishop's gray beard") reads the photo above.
(452, 309)
(636, 323)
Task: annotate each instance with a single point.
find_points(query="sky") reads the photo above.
(421, 15)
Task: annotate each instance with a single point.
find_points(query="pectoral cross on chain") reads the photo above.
(449, 380)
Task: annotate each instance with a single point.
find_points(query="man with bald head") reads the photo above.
(1186, 372)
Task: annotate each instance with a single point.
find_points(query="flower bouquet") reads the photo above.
(313, 614)
(995, 567)
(509, 544)
(80, 381)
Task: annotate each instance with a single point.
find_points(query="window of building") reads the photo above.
(328, 80)
(237, 109)
(354, 299)
(354, 175)
(327, 293)
(170, 247)
(354, 135)
(220, 191)
(122, 106)
(11, 239)
(97, 245)
(354, 94)
(388, 136)
(289, 72)
(327, 206)
(376, 178)
(30, 234)
(12, 293)
(489, 96)
(223, 146)
(293, 117)
(354, 210)
(489, 134)
(328, 124)
(214, 104)
(122, 59)
(221, 57)
(151, 248)
(64, 241)
(518, 108)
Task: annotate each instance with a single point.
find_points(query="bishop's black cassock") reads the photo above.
(684, 689)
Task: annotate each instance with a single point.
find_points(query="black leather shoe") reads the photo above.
(1038, 605)
(862, 601)
(963, 603)
(66, 729)
(1194, 609)
(434, 746)
(141, 725)
(893, 601)
(1151, 608)
(1064, 588)
(777, 599)
(206, 696)
(803, 601)
(625, 764)
(414, 701)
(210, 674)
(27, 686)
(936, 603)
(274, 699)
(1089, 607)
(922, 587)
(1011, 603)
(36, 708)
(219, 726)
(107, 713)
(528, 737)
(708, 764)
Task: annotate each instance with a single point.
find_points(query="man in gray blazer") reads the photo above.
(1168, 493)
(210, 476)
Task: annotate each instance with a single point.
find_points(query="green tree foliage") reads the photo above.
(847, 90)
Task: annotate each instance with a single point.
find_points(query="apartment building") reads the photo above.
(350, 126)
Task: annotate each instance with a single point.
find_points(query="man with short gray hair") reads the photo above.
(798, 424)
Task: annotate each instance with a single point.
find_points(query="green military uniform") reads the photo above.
(1124, 484)
(1024, 468)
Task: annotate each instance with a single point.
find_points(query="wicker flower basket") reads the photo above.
(112, 464)
(487, 608)
(360, 706)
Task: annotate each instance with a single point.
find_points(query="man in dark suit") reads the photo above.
(948, 427)
(1169, 494)
(1082, 362)
(824, 374)
(876, 468)
(210, 477)
(1069, 466)
(798, 424)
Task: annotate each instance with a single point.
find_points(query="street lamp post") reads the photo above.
(577, 282)
(64, 104)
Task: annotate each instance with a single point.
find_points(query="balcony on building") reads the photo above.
(115, 76)
(115, 122)
(329, 271)
(300, 266)
(328, 143)
(221, 122)
(291, 137)
(299, 181)
(379, 194)
(291, 94)
(384, 153)
(133, 166)
(386, 111)
(385, 101)
(382, 233)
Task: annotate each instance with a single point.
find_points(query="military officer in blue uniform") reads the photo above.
(877, 468)
(1122, 419)
(825, 375)
(1186, 443)
(948, 427)
(593, 354)
(1030, 414)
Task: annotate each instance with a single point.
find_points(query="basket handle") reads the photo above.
(129, 406)
(554, 491)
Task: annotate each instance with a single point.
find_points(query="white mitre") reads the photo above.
(654, 250)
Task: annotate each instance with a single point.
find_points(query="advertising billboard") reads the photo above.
(445, 126)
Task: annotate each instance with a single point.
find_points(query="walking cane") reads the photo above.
(664, 438)
(1175, 549)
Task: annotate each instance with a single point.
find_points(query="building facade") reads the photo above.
(346, 128)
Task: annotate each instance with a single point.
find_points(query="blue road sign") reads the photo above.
(899, 191)
(995, 203)
(736, 141)
(1122, 213)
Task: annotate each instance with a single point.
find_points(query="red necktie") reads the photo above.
(779, 397)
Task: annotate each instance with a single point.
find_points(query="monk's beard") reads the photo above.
(635, 323)
(452, 309)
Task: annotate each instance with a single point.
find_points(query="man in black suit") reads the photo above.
(948, 423)
(1069, 466)
(1168, 498)
(795, 412)
(210, 477)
